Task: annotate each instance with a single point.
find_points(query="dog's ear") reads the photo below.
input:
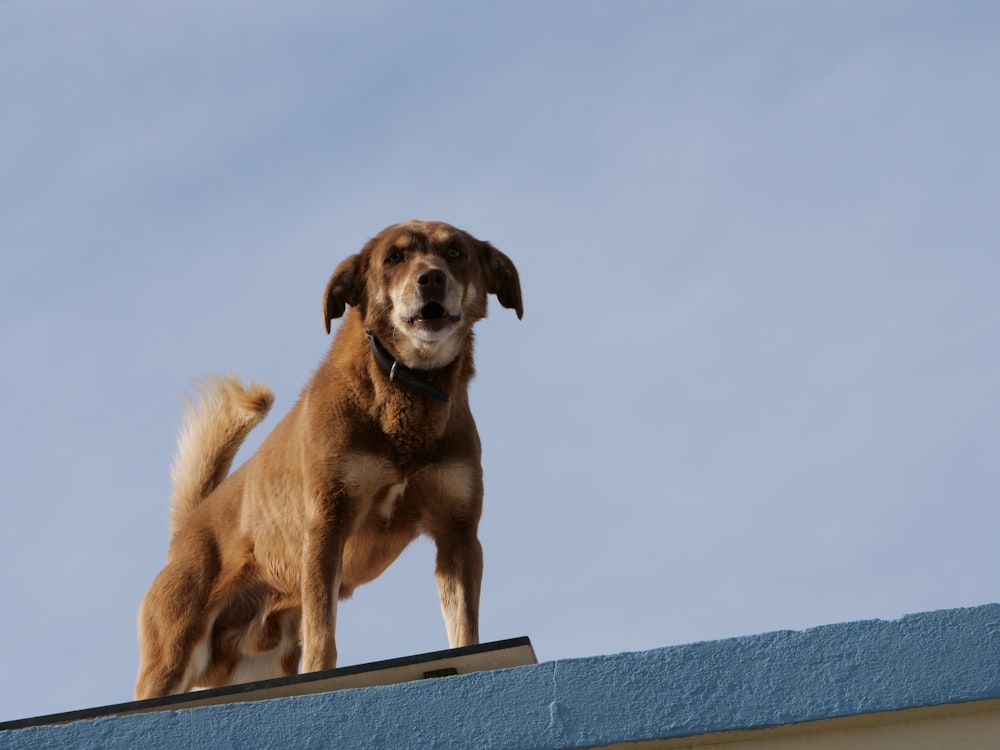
(344, 288)
(502, 279)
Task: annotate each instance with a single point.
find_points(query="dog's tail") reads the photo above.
(216, 422)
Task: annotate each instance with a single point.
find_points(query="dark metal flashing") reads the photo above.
(504, 654)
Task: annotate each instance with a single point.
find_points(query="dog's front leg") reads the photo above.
(322, 559)
(459, 575)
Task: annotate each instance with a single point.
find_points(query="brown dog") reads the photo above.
(380, 447)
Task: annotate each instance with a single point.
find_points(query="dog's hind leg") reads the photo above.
(173, 648)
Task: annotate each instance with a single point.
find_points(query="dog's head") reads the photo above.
(421, 286)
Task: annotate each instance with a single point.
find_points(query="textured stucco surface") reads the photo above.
(935, 658)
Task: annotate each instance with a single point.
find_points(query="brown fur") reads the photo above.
(358, 468)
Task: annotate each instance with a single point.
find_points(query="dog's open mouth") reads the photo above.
(433, 311)
(433, 316)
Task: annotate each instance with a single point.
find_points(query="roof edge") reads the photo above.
(746, 683)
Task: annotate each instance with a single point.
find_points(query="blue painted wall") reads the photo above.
(935, 658)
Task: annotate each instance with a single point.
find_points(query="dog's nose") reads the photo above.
(433, 279)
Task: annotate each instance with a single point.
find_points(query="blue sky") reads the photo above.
(755, 386)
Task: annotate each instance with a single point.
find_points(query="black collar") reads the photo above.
(396, 371)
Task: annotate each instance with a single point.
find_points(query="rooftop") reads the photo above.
(787, 678)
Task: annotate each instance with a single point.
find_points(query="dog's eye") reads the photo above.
(395, 256)
(454, 252)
